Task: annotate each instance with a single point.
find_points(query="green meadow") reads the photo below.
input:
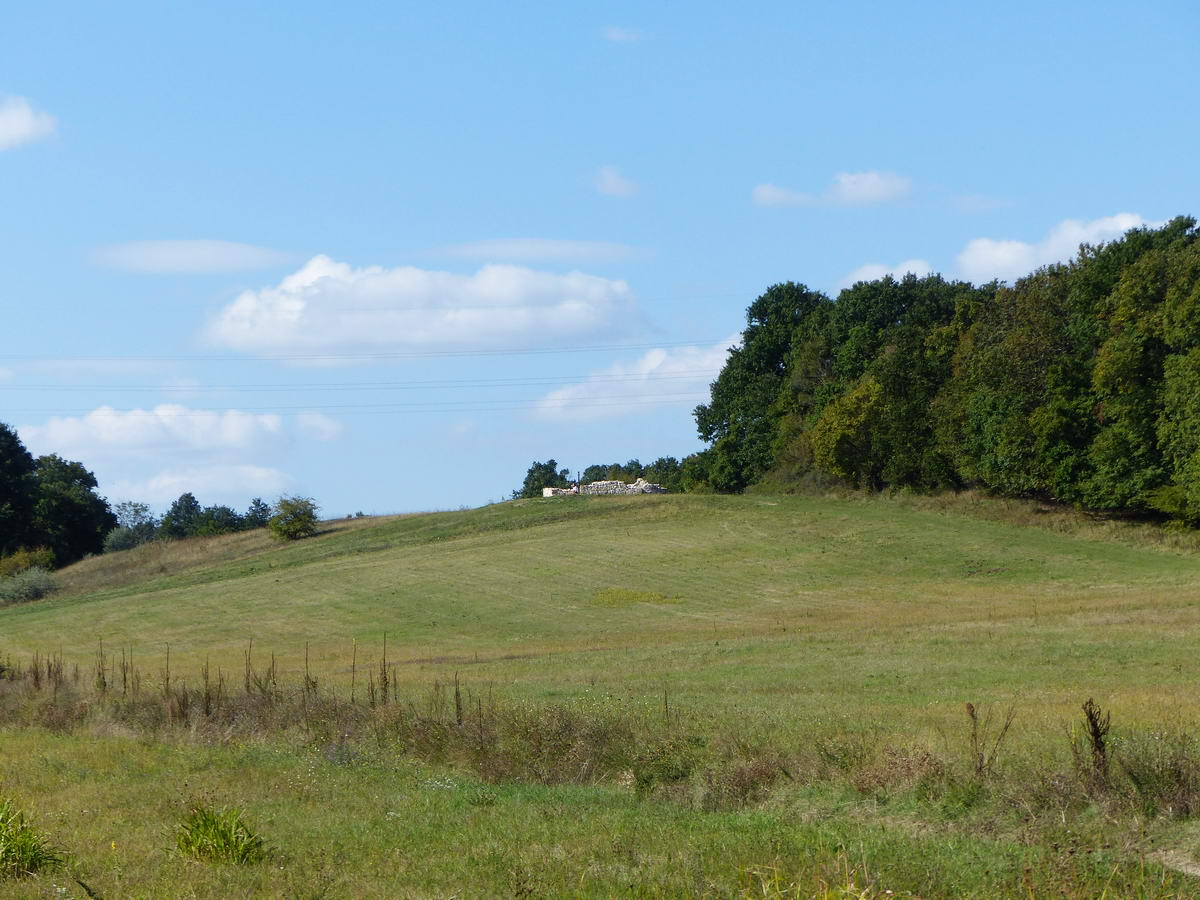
(790, 674)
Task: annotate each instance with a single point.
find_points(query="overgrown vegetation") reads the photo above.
(219, 835)
(1114, 790)
(23, 849)
(29, 584)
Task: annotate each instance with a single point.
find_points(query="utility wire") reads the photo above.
(381, 408)
(335, 357)
(447, 384)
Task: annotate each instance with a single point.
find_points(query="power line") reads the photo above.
(381, 408)
(442, 384)
(335, 357)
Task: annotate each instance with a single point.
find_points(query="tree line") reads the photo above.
(666, 470)
(1079, 383)
(51, 514)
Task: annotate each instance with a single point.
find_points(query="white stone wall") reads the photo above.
(641, 486)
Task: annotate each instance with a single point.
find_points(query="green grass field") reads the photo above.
(761, 622)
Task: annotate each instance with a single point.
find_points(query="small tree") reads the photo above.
(295, 518)
(180, 520)
(257, 514)
(542, 475)
(214, 520)
(135, 525)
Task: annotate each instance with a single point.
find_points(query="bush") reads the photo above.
(32, 584)
(219, 835)
(121, 539)
(23, 560)
(295, 518)
(23, 850)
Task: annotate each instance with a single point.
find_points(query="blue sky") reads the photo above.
(250, 248)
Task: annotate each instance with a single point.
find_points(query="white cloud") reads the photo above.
(6, 374)
(873, 271)
(867, 188)
(167, 427)
(20, 123)
(848, 189)
(620, 35)
(540, 250)
(679, 375)
(774, 195)
(319, 425)
(188, 257)
(211, 484)
(154, 455)
(611, 183)
(986, 258)
(328, 306)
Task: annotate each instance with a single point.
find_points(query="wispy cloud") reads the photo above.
(166, 427)
(611, 183)
(329, 306)
(674, 376)
(21, 123)
(986, 258)
(540, 250)
(188, 257)
(229, 483)
(848, 189)
(156, 454)
(621, 35)
(874, 271)
(319, 426)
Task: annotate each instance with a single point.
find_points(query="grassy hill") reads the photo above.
(776, 621)
(709, 597)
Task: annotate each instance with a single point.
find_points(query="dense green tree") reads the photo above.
(741, 419)
(16, 492)
(258, 513)
(630, 471)
(69, 516)
(1078, 383)
(181, 517)
(213, 520)
(542, 475)
(666, 471)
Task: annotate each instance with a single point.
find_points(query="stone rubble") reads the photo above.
(641, 486)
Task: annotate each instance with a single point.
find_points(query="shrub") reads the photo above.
(295, 518)
(1163, 769)
(668, 761)
(121, 539)
(23, 850)
(32, 584)
(219, 835)
(23, 560)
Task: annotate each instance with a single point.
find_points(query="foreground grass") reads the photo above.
(388, 826)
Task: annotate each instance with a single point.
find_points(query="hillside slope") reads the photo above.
(725, 601)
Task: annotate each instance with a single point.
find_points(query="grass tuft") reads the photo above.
(219, 835)
(23, 849)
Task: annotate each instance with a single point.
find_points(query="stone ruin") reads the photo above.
(641, 486)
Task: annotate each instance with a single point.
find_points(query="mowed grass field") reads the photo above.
(764, 619)
(728, 603)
